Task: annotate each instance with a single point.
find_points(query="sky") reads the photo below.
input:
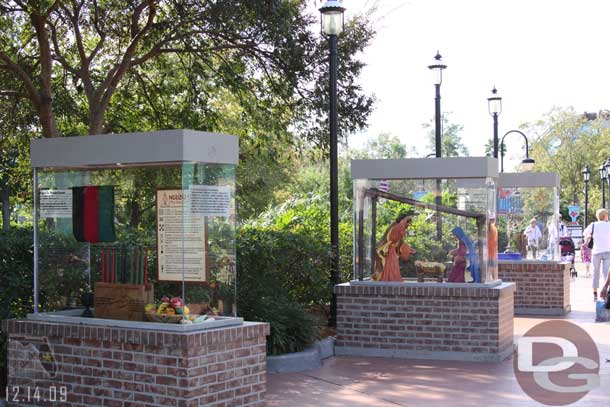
(537, 53)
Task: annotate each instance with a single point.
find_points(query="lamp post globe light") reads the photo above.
(586, 176)
(527, 164)
(602, 176)
(494, 105)
(437, 68)
(331, 21)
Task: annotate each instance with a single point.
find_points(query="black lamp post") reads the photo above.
(527, 163)
(607, 166)
(437, 68)
(586, 175)
(494, 104)
(602, 176)
(331, 20)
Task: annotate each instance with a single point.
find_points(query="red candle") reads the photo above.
(113, 251)
(103, 264)
(146, 266)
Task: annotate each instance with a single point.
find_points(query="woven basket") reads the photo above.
(165, 319)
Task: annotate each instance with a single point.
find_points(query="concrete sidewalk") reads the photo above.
(379, 382)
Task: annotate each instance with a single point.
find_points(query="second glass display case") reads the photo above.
(529, 223)
(425, 220)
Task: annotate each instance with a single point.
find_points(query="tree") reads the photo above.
(84, 51)
(16, 121)
(383, 146)
(251, 68)
(564, 142)
(451, 139)
(489, 148)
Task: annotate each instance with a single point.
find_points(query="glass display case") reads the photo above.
(529, 224)
(143, 221)
(425, 220)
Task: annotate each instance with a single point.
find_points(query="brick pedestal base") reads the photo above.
(427, 321)
(109, 366)
(543, 288)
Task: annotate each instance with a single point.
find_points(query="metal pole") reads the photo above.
(334, 184)
(495, 115)
(586, 201)
(502, 156)
(35, 240)
(603, 192)
(437, 142)
(608, 180)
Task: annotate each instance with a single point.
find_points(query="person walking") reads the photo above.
(533, 234)
(585, 254)
(600, 254)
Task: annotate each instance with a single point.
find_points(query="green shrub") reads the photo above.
(271, 261)
(292, 328)
(279, 273)
(61, 275)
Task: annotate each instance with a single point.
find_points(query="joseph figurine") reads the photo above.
(391, 248)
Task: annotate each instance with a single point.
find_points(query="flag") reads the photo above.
(93, 214)
(384, 186)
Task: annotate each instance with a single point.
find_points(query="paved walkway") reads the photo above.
(380, 382)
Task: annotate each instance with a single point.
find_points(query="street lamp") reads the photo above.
(527, 163)
(607, 166)
(331, 21)
(602, 176)
(437, 68)
(586, 175)
(494, 105)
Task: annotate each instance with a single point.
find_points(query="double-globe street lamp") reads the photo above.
(527, 163)
(331, 20)
(586, 176)
(437, 68)
(494, 105)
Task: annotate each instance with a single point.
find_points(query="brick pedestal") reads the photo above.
(425, 321)
(111, 366)
(543, 288)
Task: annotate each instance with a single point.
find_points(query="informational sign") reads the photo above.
(55, 203)
(181, 238)
(209, 200)
(471, 199)
(574, 211)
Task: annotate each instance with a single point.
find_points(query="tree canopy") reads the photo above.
(564, 142)
(451, 138)
(256, 69)
(71, 58)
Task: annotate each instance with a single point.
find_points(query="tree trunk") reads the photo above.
(6, 208)
(96, 121)
(135, 213)
(47, 118)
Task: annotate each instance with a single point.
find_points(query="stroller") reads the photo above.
(568, 253)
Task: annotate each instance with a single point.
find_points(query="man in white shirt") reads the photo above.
(600, 232)
(533, 235)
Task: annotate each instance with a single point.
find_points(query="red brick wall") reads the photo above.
(542, 288)
(100, 366)
(436, 322)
